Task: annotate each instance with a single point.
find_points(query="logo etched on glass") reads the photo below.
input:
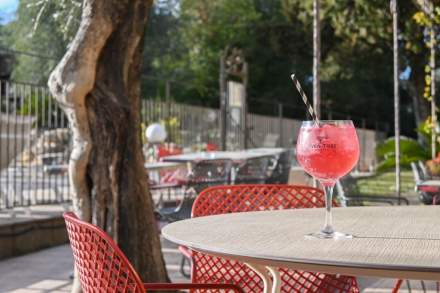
(322, 138)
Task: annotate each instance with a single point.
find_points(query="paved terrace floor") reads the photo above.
(49, 270)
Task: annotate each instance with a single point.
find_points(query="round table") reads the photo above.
(391, 242)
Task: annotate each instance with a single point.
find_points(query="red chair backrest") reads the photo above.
(101, 265)
(164, 151)
(211, 147)
(242, 198)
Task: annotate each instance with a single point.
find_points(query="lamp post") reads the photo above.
(223, 115)
(316, 58)
(394, 12)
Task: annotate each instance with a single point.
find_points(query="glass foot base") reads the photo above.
(325, 235)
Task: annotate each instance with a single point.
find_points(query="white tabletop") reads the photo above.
(395, 242)
(161, 165)
(225, 155)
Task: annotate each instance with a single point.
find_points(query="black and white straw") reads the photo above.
(305, 99)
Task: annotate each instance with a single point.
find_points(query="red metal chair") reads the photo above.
(211, 147)
(167, 150)
(243, 198)
(103, 267)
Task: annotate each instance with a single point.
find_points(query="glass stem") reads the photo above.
(328, 226)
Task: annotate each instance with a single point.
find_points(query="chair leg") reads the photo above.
(397, 286)
(182, 266)
(423, 286)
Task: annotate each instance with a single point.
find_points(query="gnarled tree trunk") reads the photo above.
(97, 85)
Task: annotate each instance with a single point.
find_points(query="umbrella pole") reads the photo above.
(396, 94)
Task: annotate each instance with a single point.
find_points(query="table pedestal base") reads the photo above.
(270, 276)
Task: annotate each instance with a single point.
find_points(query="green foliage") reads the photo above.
(410, 151)
(46, 27)
(277, 39)
(172, 126)
(185, 38)
(425, 129)
(204, 29)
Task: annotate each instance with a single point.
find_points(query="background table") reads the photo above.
(225, 155)
(154, 169)
(392, 242)
(161, 165)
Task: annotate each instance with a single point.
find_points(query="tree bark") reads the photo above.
(97, 83)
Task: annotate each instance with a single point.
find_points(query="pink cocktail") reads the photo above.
(328, 151)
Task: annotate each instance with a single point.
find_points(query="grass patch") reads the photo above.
(384, 184)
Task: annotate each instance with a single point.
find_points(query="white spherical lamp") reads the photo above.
(156, 133)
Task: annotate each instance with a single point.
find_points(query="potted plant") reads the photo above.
(433, 166)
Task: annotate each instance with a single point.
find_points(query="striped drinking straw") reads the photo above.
(304, 98)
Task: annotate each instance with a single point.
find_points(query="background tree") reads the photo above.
(97, 84)
(6, 59)
(356, 54)
(276, 36)
(45, 27)
(156, 70)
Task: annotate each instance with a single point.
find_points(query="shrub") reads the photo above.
(410, 151)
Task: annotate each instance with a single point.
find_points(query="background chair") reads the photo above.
(203, 174)
(167, 190)
(280, 171)
(243, 198)
(422, 167)
(252, 171)
(180, 212)
(428, 193)
(206, 173)
(103, 267)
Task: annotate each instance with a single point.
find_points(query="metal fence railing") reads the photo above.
(187, 126)
(36, 141)
(34, 147)
(192, 126)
